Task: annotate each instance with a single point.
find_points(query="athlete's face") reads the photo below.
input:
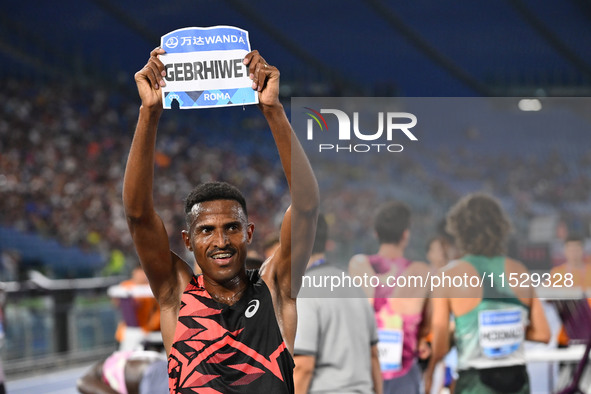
(218, 237)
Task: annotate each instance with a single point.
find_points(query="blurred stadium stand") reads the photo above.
(68, 107)
(418, 48)
(62, 261)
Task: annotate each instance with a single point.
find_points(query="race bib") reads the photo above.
(501, 332)
(204, 68)
(390, 349)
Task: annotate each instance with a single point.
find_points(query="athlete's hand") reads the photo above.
(150, 79)
(265, 79)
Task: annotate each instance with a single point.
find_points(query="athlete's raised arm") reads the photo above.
(283, 271)
(166, 273)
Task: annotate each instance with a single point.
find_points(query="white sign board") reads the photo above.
(204, 68)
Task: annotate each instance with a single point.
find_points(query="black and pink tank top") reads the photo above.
(229, 348)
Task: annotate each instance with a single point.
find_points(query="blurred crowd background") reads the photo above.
(68, 109)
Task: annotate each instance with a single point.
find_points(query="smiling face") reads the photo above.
(218, 236)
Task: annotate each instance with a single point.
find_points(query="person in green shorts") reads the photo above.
(493, 317)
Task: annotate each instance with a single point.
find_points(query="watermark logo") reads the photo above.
(172, 42)
(390, 124)
(315, 116)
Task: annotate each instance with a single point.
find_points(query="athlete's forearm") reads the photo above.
(538, 329)
(425, 326)
(139, 171)
(440, 346)
(303, 372)
(304, 194)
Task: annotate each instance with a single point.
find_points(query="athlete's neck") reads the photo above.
(391, 251)
(228, 292)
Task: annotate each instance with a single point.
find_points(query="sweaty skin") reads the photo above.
(219, 233)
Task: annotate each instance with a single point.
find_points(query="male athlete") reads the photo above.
(227, 330)
(493, 319)
(401, 312)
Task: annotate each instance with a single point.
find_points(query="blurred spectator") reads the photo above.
(576, 266)
(127, 372)
(335, 348)
(575, 263)
(139, 309)
(115, 263)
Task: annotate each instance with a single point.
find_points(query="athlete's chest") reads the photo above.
(198, 311)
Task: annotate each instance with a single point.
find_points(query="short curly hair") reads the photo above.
(211, 191)
(479, 225)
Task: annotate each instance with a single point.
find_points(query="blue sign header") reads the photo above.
(197, 39)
